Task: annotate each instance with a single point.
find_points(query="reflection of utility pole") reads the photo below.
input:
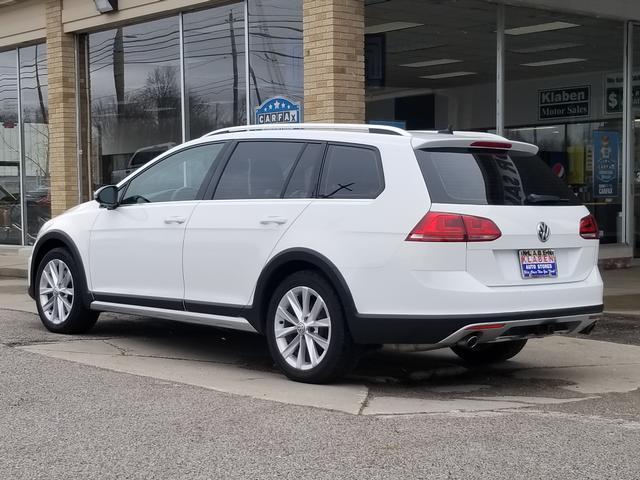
(43, 110)
(118, 69)
(234, 61)
(255, 85)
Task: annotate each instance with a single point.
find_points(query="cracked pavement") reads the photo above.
(144, 398)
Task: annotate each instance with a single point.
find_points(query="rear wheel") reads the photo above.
(490, 352)
(59, 288)
(306, 330)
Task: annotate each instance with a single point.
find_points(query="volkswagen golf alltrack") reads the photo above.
(330, 239)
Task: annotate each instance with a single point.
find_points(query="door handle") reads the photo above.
(273, 220)
(175, 220)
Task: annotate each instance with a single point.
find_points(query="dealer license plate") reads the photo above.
(538, 263)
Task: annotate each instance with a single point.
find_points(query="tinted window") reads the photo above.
(351, 172)
(175, 178)
(305, 175)
(491, 178)
(258, 170)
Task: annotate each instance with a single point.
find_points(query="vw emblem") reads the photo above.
(543, 232)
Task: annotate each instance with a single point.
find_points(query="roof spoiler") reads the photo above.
(473, 143)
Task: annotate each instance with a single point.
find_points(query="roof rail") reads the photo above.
(385, 129)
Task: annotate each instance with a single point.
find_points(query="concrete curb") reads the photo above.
(14, 272)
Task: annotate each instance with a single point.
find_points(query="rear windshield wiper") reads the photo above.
(535, 198)
(340, 188)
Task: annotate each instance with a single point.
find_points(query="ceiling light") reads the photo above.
(448, 75)
(547, 48)
(431, 63)
(542, 27)
(106, 6)
(557, 61)
(390, 27)
(414, 47)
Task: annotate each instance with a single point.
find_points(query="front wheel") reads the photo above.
(306, 331)
(490, 352)
(59, 288)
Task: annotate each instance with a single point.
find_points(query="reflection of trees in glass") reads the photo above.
(35, 114)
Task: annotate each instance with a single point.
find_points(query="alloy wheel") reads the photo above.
(55, 291)
(302, 328)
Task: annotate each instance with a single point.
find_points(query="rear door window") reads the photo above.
(490, 177)
(258, 170)
(304, 177)
(351, 172)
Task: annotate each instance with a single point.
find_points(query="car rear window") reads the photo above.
(491, 177)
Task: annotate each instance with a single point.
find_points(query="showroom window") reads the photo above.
(155, 84)
(214, 69)
(431, 64)
(275, 50)
(135, 95)
(24, 144)
(563, 74)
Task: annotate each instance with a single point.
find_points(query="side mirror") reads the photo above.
(107, 197)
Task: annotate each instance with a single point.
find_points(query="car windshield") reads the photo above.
(491, 177)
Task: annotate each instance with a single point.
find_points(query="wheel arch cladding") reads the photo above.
(291, 261)
(49, 241)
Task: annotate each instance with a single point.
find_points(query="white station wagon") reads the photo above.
(330, 238)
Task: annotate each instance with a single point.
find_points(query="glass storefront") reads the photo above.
(135, 95)
(275, 50)
(155, 84)
(558, 70)
(559, 77)
(634, 88)
(214, 69)
(24, 144)
(432, 65)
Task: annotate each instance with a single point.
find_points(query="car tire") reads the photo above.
(483, 354)
(318, 330)
(59, 292)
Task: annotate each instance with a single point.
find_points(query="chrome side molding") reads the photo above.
(234, 323)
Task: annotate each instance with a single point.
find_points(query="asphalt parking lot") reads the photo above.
(145, 398)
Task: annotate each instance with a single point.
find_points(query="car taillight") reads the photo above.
(498, 145)
(453, 227)
(589, 228)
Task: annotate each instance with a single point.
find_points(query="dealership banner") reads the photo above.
(614, 92)
(278, 110)
(606, 164)
(569, 102)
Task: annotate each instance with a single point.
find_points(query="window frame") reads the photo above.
(379, 165)
(122, 190)
(226, 154)
(217, 175)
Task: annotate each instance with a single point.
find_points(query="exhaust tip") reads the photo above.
(470, 341)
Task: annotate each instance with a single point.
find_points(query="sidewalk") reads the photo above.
(13, 261)
(621, 287)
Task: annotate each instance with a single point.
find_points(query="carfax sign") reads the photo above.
(570, 102)
(606, 163)
(278, 110)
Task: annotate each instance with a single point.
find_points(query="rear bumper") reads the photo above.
(447, 331)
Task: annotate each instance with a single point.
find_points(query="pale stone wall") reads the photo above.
(63, 162)
(334, 61)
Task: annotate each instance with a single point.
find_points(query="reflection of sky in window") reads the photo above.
(146, 46)
(216, 95)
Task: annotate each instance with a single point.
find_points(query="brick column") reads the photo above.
(63, 166)
(334, 61)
